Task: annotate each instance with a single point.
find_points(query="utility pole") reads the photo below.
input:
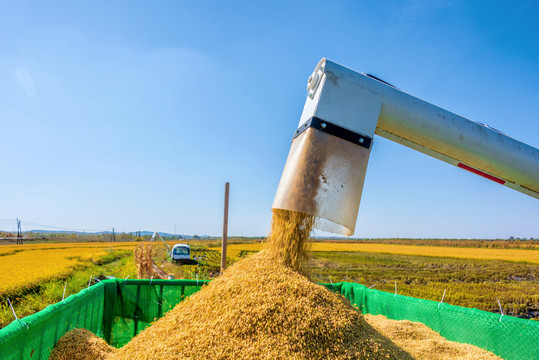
(225, 229)
(113, 236)
(19, 232)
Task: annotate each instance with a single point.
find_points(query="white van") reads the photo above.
(181, 253)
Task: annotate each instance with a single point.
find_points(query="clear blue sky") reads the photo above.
(133, 114)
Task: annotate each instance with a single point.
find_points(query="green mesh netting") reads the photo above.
(130, 306)
(85, 309)
(116, 310)
(506, 336)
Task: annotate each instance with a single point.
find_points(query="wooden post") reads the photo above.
(225, 229)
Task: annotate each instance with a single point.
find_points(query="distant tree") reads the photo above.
(511, 238)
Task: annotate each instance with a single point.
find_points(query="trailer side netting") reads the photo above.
(117, 310)
(133, 305)
(34, 336)
(506, 336)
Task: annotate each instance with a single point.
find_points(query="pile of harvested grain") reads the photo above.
(80, 344)
(424, 343)
(261, 309)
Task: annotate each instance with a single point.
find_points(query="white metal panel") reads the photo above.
(343, 101)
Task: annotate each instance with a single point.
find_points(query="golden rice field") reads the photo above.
(25, 265)
(531, 256)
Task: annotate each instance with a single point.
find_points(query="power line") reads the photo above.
(28, 223)
(32, 226)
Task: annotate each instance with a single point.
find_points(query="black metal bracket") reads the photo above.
(335, 130)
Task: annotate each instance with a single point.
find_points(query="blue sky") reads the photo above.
(133, 114)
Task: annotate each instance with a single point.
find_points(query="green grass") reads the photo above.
(469, 283)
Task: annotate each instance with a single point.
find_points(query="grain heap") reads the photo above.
(424, 343)
(81, 344)
(261, 309)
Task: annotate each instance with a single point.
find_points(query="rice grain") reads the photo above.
(80, 344)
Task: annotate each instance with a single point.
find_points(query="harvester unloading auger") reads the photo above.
(326, 166)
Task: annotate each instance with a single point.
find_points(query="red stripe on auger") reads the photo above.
(480, 173)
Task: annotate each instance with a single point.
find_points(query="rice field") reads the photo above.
(530, 256)
(26, 265)
(467, 282)
(472, 276)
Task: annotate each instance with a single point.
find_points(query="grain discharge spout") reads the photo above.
(326, 165)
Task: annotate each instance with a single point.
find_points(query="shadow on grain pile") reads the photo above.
(261, 308)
